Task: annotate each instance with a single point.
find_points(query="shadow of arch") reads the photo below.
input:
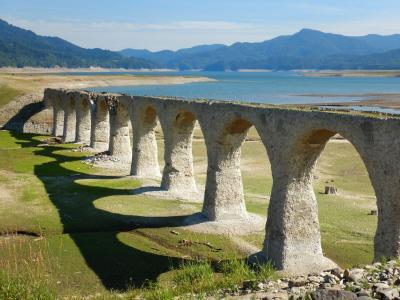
(18, 121)
(95, 231)
(310, 148)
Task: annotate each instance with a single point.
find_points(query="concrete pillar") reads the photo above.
(68, 103)
(293, 240)
(120, 144)
(380, 152)
(58, 115)
(83, 118)
(387, 237)
(144, 148)
(178, 172)
(224, 197)
(100, 133)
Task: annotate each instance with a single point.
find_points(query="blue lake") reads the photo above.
(265, 87)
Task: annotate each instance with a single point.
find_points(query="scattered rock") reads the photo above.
(175, 232)
(373, 212)
(354, 275)
(338, 272)
(387, 294)
(377, 281)
(333, 294)
(330, 190)
(298, 282)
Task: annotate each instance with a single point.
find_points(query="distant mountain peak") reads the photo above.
(310, 32)
(20, 47)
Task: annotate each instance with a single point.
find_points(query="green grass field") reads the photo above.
(82, 231)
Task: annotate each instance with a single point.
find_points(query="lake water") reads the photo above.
(266, 87)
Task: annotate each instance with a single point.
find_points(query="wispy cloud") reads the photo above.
(179, 34)
(117, 35)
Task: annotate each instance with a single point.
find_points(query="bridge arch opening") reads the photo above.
(178, 173)
(237, 168)
(146, 143)
(345, 197)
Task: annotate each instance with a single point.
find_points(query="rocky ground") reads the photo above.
(377, 281)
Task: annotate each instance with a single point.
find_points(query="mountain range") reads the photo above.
(306, 49)
(20, 47)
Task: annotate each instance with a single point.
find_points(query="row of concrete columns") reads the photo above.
(293, 140)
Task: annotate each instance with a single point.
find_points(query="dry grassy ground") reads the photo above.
(87, 233)
(80, 230)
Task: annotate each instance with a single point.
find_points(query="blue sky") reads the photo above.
(173, 24)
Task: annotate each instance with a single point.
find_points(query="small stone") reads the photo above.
(362, 293)
(329, 278)
(338, 272)
(373, 212)
(295, 290)
(249, 284)
(330, 190)
(380, 285)
(387, 294)
(315, 279)
(333, 294)
(297, 282)
(354, 275)
(260, 286)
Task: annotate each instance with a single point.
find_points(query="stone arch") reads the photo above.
(224, 196)
(120, 143)
(144, 148)
(83, 118)
(178, 173)
(100, 133)
(293, 240)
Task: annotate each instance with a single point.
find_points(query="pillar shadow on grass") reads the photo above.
(95, 231)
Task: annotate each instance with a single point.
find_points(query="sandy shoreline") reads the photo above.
(350, 73)
(36, 82)
(31, 70)
(383, 100)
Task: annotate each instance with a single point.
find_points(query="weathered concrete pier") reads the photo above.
(293, 138)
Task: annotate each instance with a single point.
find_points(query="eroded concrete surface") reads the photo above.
(294, 139)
